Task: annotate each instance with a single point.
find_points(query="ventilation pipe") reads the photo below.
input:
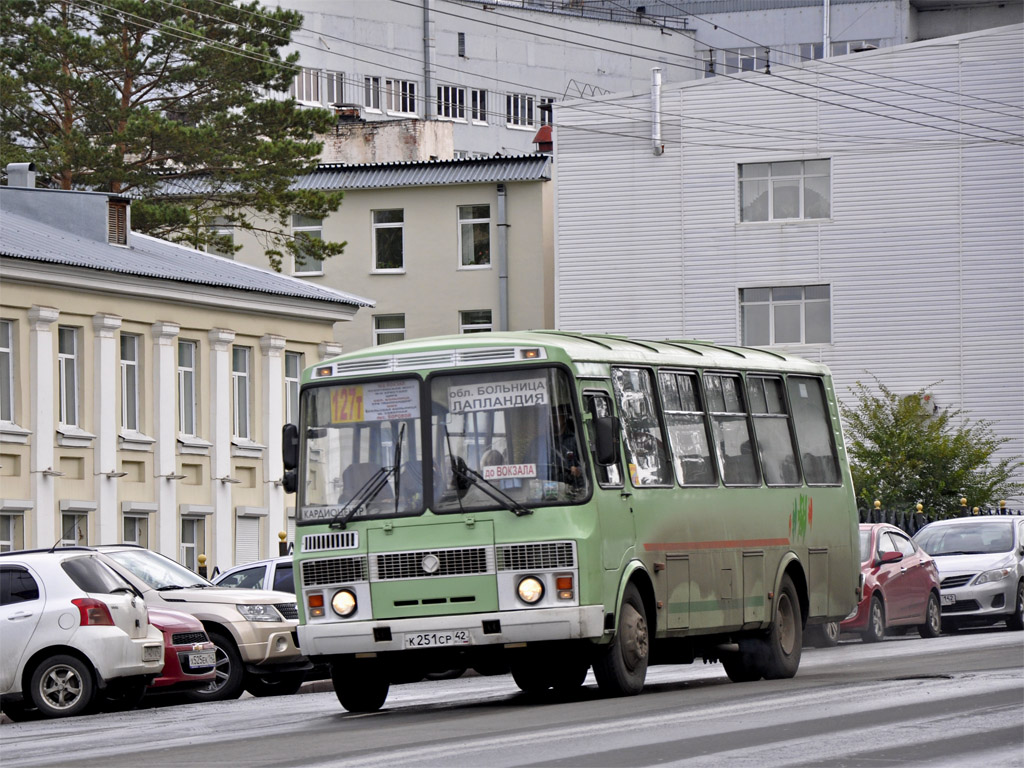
(656, 144)
(428, 59)
(502, 261)
(21, 175)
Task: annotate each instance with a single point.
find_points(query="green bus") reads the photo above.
(544, 503)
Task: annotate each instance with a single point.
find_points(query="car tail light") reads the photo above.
(93, 613)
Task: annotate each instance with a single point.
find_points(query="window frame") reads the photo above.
(376, 229)
(471, 327)
(400, 96)
(449, 108)
(12, 531)
(772, 304)
(188, 552)
(705, 420)
(131, 370)
(378, 331)
(68, 378)
(241, 391)
(781, 177)
(191, 429)
(140, 523)
(470, 222)
(371, 94)
(291, 387)
(478, 106)
(7, 359)
(81, 525)
(309, 228)
(520, 111)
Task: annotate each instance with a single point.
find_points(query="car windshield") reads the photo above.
(865, 546)
(157, 571)
(981, 538)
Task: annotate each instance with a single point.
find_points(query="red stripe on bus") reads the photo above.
(730, 544)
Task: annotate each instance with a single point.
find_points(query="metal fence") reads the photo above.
(912, 521)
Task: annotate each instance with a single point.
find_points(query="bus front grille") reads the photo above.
(336, 570)
(535, 557)
(326, 542)
(423, 564)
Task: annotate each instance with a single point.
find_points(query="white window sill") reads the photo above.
(388, 271)
(191, 444)
(308, 274)
(246, 449)
(133, 440)
(520, 127)
(12, 433)
(782, 222)
(473, 267)
(73, 437)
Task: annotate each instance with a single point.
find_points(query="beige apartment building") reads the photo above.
(143, 385)
(443, 246)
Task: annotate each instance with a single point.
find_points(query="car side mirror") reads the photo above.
(606, 433)
(290, 446)
(890, 557)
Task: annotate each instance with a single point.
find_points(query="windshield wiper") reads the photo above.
(369, 490)
(461, 469)
(168, 587)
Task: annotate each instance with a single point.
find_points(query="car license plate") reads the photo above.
(432, 639)
(949, 599)
(152, 652)
(206, 659)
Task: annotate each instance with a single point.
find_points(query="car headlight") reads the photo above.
(530, 589)
(260, 613)
(343, 602)
(989, 576)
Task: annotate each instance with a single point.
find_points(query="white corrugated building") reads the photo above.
(866, 211)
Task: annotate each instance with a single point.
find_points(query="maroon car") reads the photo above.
(189, 656)
(901, 586)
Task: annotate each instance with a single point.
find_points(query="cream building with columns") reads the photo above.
(143, 385)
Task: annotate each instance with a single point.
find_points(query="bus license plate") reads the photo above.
(433, 639)
(207, 659)
(949, 599)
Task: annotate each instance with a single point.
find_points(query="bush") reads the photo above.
(903, 450)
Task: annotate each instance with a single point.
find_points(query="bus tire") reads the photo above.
(621, 667)
(530, 678)
(570, 675)
(784, 642)
(360, 687)
(742, 666)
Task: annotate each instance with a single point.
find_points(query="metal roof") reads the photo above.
(477, 170)
(23, 237)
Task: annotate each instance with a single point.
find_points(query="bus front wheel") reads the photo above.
(360, 686)
(622, 666)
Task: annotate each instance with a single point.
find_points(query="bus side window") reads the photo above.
(771, 428)
(641, 428)
(813, 431)
(599, 405)
(687, 428)
(731, 429)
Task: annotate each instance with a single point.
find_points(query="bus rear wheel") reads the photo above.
(784, 642)
(359, 686)
(622, 666)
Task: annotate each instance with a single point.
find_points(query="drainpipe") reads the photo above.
(502, 261)
(428, 60)
(826, 38)
(656, 144)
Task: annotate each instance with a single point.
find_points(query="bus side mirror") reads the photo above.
(290, 480)
(290, 446)
(606, 432)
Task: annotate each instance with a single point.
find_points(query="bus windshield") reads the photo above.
(498, 440)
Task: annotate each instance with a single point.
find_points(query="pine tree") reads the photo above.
(177, 104)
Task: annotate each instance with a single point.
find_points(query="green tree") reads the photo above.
(903, 451)
(169, 102)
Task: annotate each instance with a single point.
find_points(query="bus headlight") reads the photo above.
(530, 589)
(343, 603)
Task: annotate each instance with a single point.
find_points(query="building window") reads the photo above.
(306, 228)
(401, 96)
(6, 370)
(854, 46)
(545, 111)
(478, 105)
(451, 102)
(130, 381)
(744, 60)
(187, 387)
(193, 541)
(306, 85)
(117, 223)
(74, 529)
(135, 530)
(811, 51)
(292, 375)
(388, 328)
(388, 235)
(519, 110)
(796, 189)
(475, 235)
(223, 234)
(240, 357)
(67, 371)
(475, 321)
(795, 314)
(371, 93)
(12, 532)
(462, 44)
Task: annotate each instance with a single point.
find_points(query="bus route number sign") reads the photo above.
(434, 639)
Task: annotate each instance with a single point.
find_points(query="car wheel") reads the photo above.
(822, 635)
(62, 686)
(932, 626)
(875, 631)
(1016, 619)
(275, 685)
(360, 686)
(230, 676)
(622, 666)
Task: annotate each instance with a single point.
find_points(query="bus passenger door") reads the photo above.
(617, 535)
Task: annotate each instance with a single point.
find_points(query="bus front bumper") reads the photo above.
(460, 631)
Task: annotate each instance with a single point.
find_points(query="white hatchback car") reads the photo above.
(70, 628)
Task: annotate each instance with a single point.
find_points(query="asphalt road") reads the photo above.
(950, 701)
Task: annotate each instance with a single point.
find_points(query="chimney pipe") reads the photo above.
(656, 144)
(21, 175)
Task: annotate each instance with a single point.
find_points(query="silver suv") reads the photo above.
(981, 569)
(253, 629)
